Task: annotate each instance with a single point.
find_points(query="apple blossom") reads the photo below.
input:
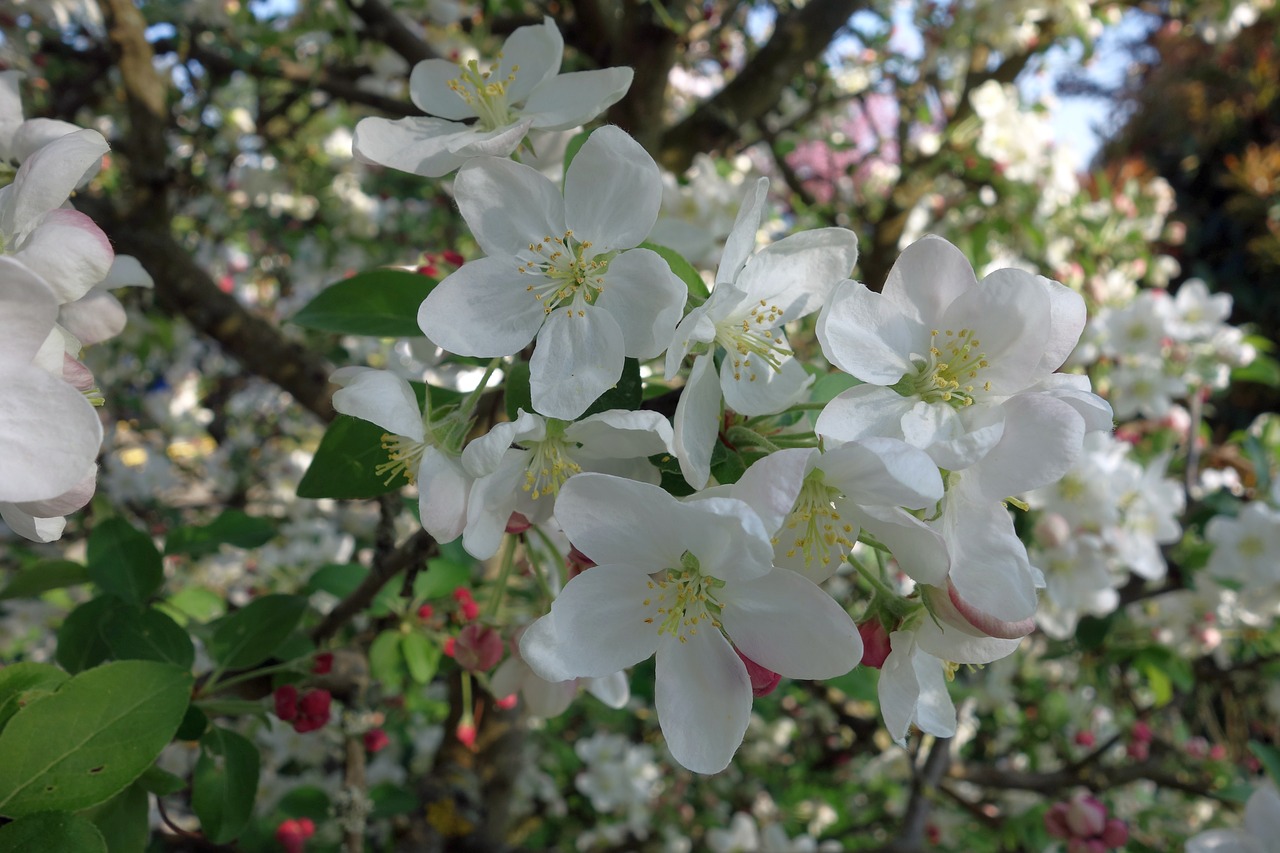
(521, 91)
(562, 270)
(755, 294)
(707, 581)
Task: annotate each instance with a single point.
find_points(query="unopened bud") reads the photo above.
(875, 643)
(1086, 816)
(517, 523)
(375, 740)
(466, 734)
(1053, 530)
(577, 562)
(763, 681)
(1115, 833)
(478, 648)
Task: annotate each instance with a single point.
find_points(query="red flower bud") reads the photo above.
(322, 664)
(506, 703)
(466, 734)
(875, 643)
(425, 612)
(292, 834)
(313, 711)
(763, 681)
(479, 648)
(286, 699)
(375, 740)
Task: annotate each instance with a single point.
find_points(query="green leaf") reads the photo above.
(1263, 370)
(571, 149)
(124, 561)
(1270, 758)
(23, 683)
(95, 735)
(627, 394)
(82, 639)
(150, 635)
(59, 832)
(390, 799)
(232, 527)
(306, 801)
(346, 462)
(517, 394)
(684, 270)
(440, 579)
(382, 303)
(252, 634)
(44, 576)
(386, 662)
(162, 783)
(727, 466)
(337, 579)
(421, 656)
(123, 820)
(225, 784)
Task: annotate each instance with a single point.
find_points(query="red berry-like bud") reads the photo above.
(322, 664)
(1086, 816)
(506, 703)
(1116, 833)
(875, 643)
(307, 826)
(466, 734)
(313, 711)
(1141, 732)
(763, 681)
(450, 647)
(286, 699)
(1085, 738)
(425, 612)
(292, 835)
(479, 648)
(452, 257)
(375, 740)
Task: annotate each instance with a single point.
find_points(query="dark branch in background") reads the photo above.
(650, 48)
(924, 780)
(412, 551)
(383, 27)
(798, 38)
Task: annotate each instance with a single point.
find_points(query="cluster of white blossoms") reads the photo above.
(1159, 349)
(955, 409)
(55, 266)
(1103, 521)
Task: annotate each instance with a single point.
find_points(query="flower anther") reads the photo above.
(486, 96)
(682, 600)
(950, 371)
(569, 272)
(751, 335)
(819, 527)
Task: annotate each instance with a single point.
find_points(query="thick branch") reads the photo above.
(799, 38)
(382, 25)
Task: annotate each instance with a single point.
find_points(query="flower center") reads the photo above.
(567, 272)
(683, 599)
(404, 457)
(949, 373)
(750, 340)
(486, 96)
(818, 527)
(1251, 547)
(549, 463)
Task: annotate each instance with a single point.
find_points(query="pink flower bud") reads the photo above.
(479, 648)
(466, 734)
(875, 643)
(763, 681)
(1217, 752)
(1052, 530)
(506, 703)
(1085, 845)
(1085, 738)
(1086, 816)
(1141, 731)
(313, 711)
(517, 523)
(577, 562)
(322, 663)
(1055, 821)
(292, 834)
(1115, 833)
(286, 699)
(76, 374)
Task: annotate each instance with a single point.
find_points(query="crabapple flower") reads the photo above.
(1246, 548)
(939, 351)
(521, 91)
(754, 295)
(418, 446)
(49, 431)
(925, 650)
(686, 582)
(1258, 835)
(562, 270)
(62, 246)
(546, 699)
(520, 465)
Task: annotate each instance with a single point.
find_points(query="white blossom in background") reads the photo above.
(620, 778)
(521, 90)
(1246, 549)
(744, 835)
(1258, 835)
(698, 214)
(561, 269)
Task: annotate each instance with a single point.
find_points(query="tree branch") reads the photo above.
(413, 550)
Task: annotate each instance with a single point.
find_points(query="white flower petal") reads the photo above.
(772, 484)
(921, 551)
(697, 422)
(868, 336)
(537, 50)
(568, 100)
(483, 309)
(578, 358)
(28, 310)
(31, 527)
(50, 433)
(727, 537)
(703, 696)
(864, 411)
(741, 242)
(429, 89)
(622, 434)
(95, 317)
(1042, 439)
(927, 277)
(1009, 311)
(443, 490)
(1068, 316)
(612, 520)
(430, 147)
(508, 205)
(379, 397)
(612, 191)
(883, 472)
(989, 564)
(752, 387)
(595, 628)
(45, 181)
(646, 299)
(69, 251)
(798, 273)
(786, 623)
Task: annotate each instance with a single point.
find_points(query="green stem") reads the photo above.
(504, 574)
(469, 402)
(873, 578)
(741, 435)
(216, 683)
(537, 569)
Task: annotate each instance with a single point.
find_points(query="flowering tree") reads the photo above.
(614, 426)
